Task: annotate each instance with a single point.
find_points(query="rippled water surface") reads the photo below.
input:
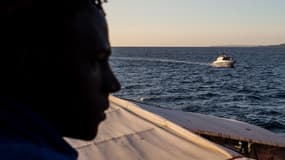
(181, 78)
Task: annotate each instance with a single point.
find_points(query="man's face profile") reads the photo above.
(65, 65)
(88, 78)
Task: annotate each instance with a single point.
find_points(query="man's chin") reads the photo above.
(87, 135)
(83, 127)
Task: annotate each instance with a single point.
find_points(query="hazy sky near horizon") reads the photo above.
(195, 22)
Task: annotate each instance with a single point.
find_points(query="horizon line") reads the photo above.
(170, 46)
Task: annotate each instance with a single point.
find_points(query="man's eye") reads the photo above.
(98, 58)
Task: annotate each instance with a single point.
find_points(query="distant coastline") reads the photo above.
(280, 45)
(230, 45)
(237, 45)
(273, 45)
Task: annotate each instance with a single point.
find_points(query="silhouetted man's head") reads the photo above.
(56, 57)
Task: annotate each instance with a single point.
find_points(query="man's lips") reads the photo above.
(102, 116)
(103, 107)
(105, 103)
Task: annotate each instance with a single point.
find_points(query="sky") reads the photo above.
(195, 22)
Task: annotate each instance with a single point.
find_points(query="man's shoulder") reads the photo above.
(15, 150)
(25, 135)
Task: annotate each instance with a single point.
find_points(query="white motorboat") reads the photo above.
(223, 61)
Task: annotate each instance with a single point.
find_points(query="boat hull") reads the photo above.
(227, 64)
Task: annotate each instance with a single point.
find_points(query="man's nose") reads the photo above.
(115, 84)
(110, 82)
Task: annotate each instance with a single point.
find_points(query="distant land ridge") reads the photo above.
(245, 45)
(280, 45)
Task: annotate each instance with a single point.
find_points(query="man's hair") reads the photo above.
(31, 30)
(27, 26)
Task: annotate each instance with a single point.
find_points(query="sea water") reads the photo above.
(182, 78)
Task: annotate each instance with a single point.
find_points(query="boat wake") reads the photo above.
(158, 60)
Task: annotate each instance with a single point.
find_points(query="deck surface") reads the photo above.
(130, 132)
(220, 127)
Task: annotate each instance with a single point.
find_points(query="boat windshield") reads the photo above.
(227, 58)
